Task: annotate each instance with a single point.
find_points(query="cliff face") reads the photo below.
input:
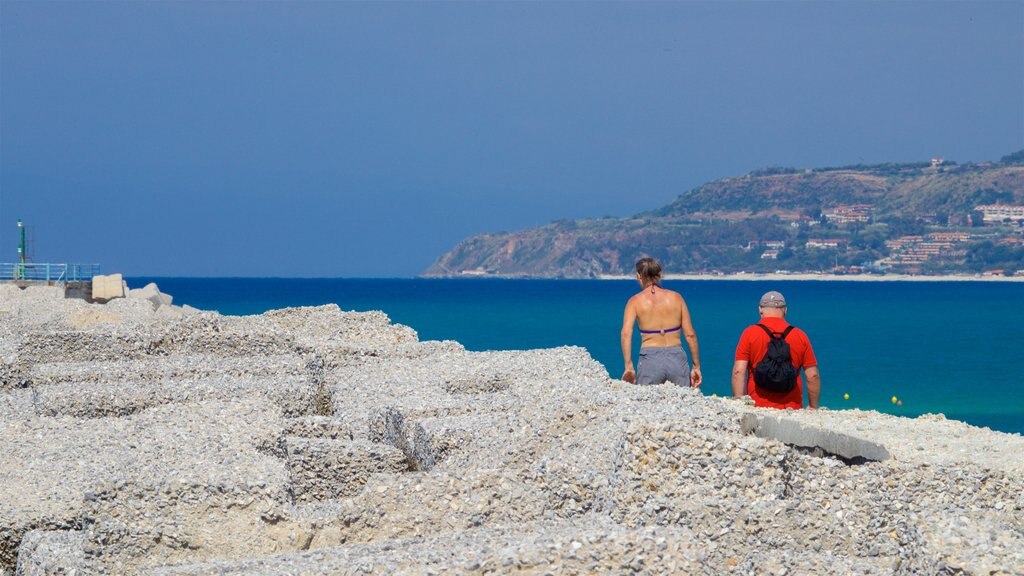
(568, 249)
(725, 225)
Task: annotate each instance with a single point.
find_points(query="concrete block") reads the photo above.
(478, 383)
(179, 367)
(428, 436)
(38, 293)
(295, 395)
(325, 469)
(435, 439)
(81, 346)
(323, 427)
(107, 287)
(151, 523)
(152, 293)
(9, 292)
(67, 474)
(587, 546)
(791, 431)
(169, 312)
(131, 309)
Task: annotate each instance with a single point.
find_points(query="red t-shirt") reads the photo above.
(753, 346)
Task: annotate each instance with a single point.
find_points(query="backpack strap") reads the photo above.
(771, 334)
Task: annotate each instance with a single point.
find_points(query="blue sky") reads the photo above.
(365, 139)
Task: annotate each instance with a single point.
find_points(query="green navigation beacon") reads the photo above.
(19, 270)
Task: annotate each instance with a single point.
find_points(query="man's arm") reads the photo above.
(813, 386)
(626, 340)
(739, 378)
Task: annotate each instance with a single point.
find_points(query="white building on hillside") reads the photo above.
(1001, 212)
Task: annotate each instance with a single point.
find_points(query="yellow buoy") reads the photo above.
(895, 399)
(846, 396)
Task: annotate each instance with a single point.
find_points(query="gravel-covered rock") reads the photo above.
(312, 440)
(55, 468)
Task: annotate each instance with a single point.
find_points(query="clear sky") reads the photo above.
(261, 138)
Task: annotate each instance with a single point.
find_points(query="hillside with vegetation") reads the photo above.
(933, 217)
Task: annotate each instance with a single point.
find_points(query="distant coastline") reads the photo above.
(847, 221)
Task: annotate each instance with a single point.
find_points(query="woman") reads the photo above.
(663, 317)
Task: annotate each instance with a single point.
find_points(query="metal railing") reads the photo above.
(48, 272)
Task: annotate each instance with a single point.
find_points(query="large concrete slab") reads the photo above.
(794, 432)
(107, 287)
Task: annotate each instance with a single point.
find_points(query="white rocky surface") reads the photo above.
(312, 441)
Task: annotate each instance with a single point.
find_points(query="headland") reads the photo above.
(140, 437)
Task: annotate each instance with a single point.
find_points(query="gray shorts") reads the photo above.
(660, 364)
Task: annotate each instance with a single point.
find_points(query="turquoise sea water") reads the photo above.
(955, 348)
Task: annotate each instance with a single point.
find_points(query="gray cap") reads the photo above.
(773, 300)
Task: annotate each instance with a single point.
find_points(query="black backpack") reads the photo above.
(775, 372)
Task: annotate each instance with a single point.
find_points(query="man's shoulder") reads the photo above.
(798, 331)
(799, 334)
(752, 331)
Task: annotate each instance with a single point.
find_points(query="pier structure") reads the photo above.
(75, 278)
(47, 273)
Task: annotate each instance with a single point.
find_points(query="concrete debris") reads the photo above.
(137, 437)
(106, 288)
(151, 292)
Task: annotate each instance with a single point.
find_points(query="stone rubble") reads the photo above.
(312, 440)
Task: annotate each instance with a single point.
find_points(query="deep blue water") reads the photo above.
(950, 347)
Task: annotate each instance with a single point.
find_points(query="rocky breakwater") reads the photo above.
(312, 440)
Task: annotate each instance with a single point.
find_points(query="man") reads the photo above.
(753, 347)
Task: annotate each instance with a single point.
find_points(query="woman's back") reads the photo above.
(659, 315)
(664, 321)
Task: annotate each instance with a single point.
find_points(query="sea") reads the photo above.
(904, 348)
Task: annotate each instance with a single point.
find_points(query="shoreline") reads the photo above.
(755, 276)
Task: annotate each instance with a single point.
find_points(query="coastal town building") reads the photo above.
(822, 243)
(846, 213)
(1001, 212)
(804, 220)
(916, 250)
(949, 236)
(768, 244)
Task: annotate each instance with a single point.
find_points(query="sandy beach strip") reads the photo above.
(832, 277)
